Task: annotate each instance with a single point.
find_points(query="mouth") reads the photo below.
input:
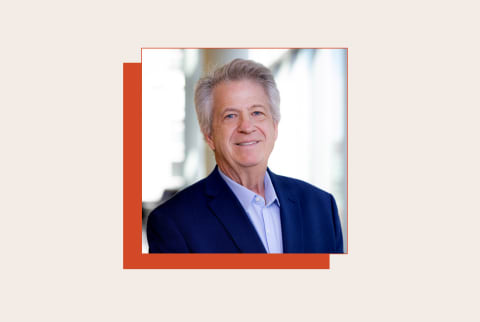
(247, 143)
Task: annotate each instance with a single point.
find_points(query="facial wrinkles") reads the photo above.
(243, 129)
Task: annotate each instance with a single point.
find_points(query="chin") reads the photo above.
(246, 163)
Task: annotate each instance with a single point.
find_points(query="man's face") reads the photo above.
(243, 130)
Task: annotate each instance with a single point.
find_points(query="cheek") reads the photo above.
(270, 132)
(224, 139)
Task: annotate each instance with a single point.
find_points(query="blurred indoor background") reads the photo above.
(312, 135)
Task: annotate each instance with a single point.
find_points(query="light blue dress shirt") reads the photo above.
(263, 213)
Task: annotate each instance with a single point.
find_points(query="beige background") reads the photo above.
(413, 162)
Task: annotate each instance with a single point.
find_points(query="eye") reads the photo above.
(229, 116)
(258, 114)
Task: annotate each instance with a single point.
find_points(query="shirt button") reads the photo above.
(257, 198)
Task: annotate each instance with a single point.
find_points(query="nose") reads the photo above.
(246, 124)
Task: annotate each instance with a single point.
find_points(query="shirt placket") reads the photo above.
(260, 207)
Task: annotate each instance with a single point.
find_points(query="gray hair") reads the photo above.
(237, 69)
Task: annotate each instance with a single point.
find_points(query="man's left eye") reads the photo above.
(257, 113)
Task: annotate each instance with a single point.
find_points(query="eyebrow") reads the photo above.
(233, 109)
(230, 109)
(256, 106)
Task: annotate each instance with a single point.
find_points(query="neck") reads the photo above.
(251, 178)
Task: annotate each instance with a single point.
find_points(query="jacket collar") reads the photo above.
(290, 215)
(229, 211)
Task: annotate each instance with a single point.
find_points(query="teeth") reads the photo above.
(247, 143)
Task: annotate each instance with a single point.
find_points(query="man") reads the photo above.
(243, 207)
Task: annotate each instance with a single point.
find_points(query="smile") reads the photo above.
(247, 143)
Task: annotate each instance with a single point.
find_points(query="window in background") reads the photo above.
(163, 114)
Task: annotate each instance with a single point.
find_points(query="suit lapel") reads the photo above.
(229, 211)
(290, 215)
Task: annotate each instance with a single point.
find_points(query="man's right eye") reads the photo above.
(229, 116)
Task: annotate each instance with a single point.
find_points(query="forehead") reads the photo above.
(238, 94)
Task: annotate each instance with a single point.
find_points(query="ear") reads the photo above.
(209, 140)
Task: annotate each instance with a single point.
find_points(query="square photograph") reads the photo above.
(244, 150)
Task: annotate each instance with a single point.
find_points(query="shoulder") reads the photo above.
(298, 188)
(185, 202)
(170, 223)
(318, 210)
(310, 198)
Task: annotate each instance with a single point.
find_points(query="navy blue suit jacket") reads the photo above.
(206, 217)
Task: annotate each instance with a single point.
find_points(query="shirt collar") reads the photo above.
(270, 194)
(245, 196)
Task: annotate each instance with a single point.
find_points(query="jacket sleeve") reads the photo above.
(164, 236)
(337, 227)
